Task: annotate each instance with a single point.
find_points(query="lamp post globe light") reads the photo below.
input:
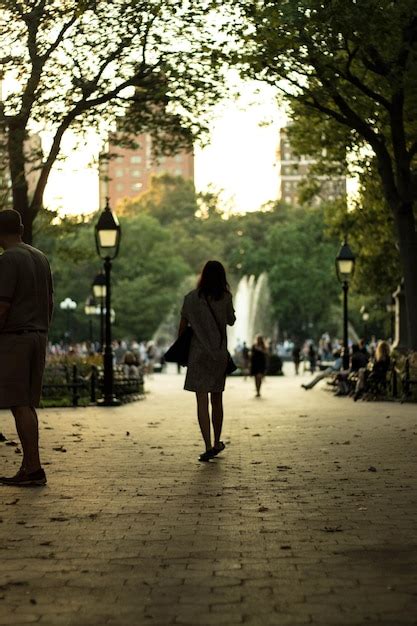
(345, 266)
(107, 235)
(68, 305)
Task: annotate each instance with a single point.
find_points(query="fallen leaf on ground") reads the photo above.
(372, 469)
(332, 529)
(59, 449)
(262, 509)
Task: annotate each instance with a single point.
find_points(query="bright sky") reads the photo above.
(240, 159)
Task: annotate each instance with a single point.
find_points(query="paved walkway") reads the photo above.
(310, 516)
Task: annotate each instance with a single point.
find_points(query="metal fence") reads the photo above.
(75, 387)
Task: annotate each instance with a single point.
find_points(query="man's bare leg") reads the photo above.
(27, 428)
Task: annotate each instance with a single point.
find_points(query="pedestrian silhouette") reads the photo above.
(208, 309)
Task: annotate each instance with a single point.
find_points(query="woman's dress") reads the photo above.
(208, 357)
(258, 361)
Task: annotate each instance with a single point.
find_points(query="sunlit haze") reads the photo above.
(240, 159)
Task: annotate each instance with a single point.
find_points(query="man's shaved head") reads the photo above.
(10, 222)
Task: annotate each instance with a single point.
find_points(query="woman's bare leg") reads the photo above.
(204, 417)
(217, 415)
(258, 383)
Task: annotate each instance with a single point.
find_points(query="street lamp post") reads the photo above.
(345, 265)
(68, 305)
(99, 292)
(107, 234)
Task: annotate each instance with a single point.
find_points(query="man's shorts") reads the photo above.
(22, 364)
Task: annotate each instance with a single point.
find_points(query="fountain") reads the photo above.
(252, 304)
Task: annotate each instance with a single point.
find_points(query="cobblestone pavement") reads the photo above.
(309, 517)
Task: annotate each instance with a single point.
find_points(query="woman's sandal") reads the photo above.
(206, 456)
(215, 451)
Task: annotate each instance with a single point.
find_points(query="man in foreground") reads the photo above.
(26, 303)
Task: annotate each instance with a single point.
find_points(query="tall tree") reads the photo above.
(354, 63)
(78, 64)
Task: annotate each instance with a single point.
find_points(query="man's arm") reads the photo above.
(4, 312)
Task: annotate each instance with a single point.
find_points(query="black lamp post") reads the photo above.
(107, 232)
(99, 292)
(345, 265)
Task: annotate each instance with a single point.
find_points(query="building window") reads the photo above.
(119, 173)
(136, 173)
(178, 158)
(119, 187)
(288, 199)
(119, 159)
(136, 158)
(178, 172)
(136, 186)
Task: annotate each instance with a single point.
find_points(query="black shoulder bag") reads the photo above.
(180, 349)
(231, 365)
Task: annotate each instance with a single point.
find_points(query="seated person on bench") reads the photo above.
(377, 375)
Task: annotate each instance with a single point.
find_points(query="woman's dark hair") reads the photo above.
(213, 281)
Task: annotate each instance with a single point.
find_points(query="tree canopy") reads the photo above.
(165, 242)
(354, 64)
(88, 64)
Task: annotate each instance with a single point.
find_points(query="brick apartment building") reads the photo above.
(128, 172)
(293, 170)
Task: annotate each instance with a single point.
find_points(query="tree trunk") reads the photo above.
(15, 144)
(407, 238)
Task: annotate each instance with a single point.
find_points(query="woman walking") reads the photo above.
(208, 309)
(258, 362)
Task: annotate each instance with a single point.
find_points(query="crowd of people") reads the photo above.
(366, 374)
(368, 362)
(135, 358)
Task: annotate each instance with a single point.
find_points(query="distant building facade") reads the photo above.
(294, 170)
(128, 172)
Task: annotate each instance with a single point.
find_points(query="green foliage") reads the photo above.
(143, 66)
(302, 273)
(160, 258)
(350, 69)
(147, 275)
(145, 279)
